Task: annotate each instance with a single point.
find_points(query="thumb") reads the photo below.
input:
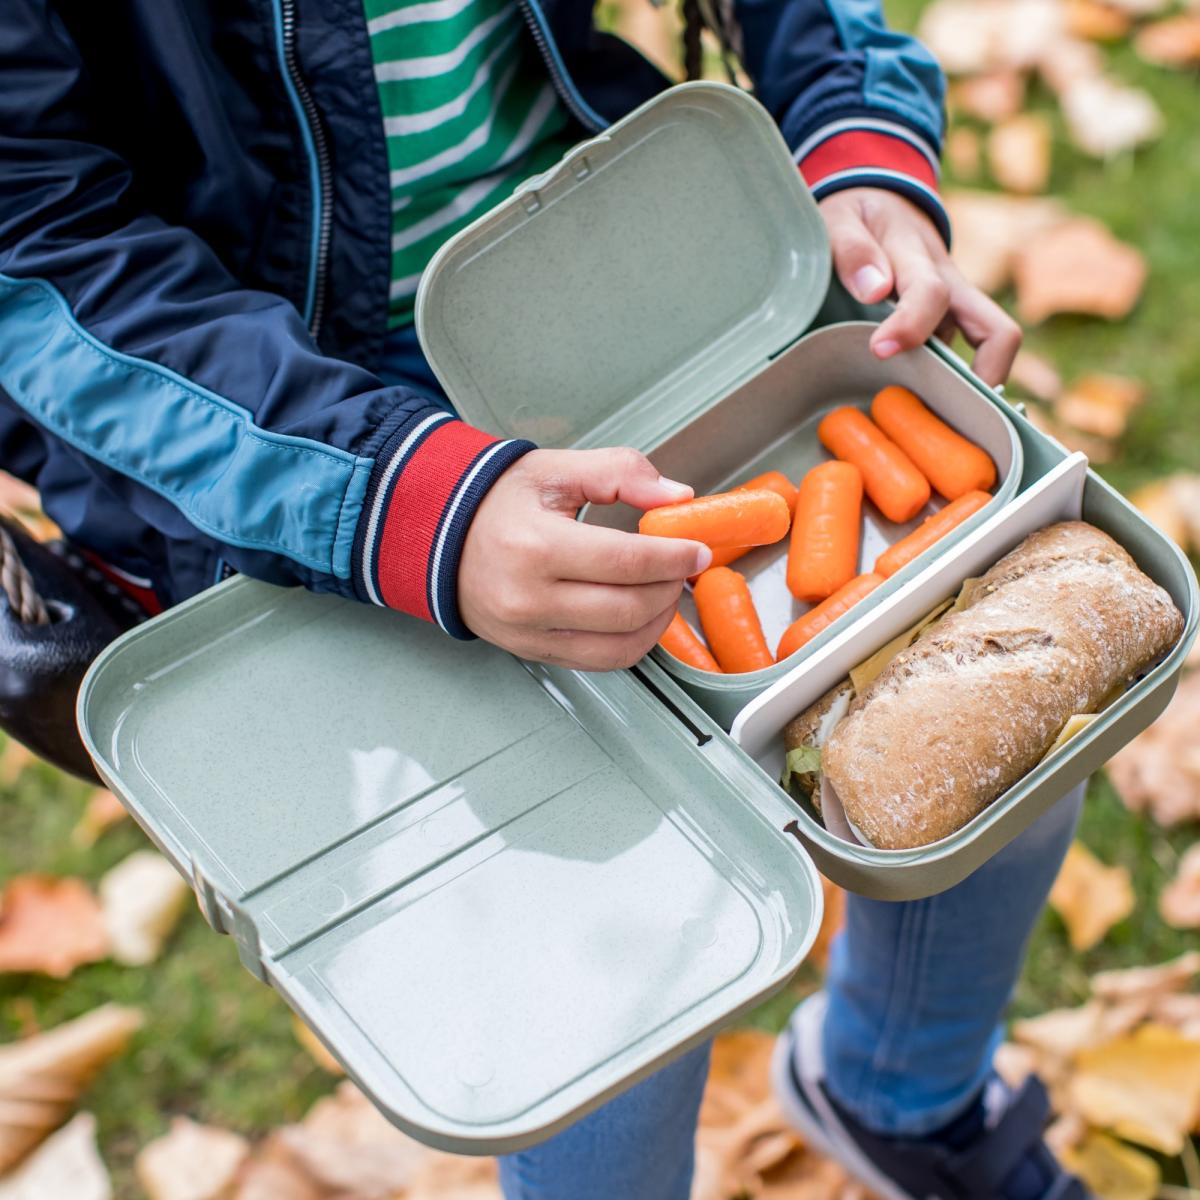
(606, 476)
(858, 258)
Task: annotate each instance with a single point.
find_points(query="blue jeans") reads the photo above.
(916, 994)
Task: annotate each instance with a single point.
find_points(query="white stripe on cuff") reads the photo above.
(867, 125)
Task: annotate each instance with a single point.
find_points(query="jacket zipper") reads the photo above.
(563, 84)
(324, 215)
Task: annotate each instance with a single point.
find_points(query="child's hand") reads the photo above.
(537, 582)
(883, 244)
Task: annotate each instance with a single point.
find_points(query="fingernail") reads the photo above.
(867, 282)
(680, 491)
(885, 349)
(704, 559)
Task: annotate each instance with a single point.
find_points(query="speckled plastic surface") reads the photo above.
(498, 894)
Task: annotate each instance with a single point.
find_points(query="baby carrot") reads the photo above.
(952, 464)
(816, 619)
(725, 520)
(773, 481)
(899, 490)
(825, 531)
(681, 641)
(730, 622)
(929, 531)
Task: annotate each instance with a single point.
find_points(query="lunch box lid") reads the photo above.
(620, 292)
(499, 893)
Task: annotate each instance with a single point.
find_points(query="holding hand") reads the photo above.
(883, 244)
(539, 583)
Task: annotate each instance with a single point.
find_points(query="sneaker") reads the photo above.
(994, 1151)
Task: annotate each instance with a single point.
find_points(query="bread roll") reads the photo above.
(978, 699)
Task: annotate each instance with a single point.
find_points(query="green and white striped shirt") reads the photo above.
(468, 111)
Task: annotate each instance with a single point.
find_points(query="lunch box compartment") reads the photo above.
(1068, 492)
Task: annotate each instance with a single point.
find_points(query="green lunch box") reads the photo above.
(502, 893)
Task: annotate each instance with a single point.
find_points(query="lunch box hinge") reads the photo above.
(225, 917)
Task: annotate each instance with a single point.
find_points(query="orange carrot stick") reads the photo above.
(825, 531)
(681, 641)
(928, 532)
(773, 481)
(899, 490)
(730, 622)
(816, 619)
(725, 520)
(952, 464)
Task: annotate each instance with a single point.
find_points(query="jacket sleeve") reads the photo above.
(203, 404)
(860, 105)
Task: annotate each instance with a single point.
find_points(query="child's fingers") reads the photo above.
(607, 608)
(593, 554)
(994, 334)
(583, 651)
(858, 258)
(924, 298)
(606, 476)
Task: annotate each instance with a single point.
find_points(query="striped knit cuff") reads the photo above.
(428, 480)
(868, 152)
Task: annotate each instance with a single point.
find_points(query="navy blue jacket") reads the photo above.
(194, 268)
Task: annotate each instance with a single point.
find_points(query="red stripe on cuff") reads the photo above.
(861, 148)
(414, 513)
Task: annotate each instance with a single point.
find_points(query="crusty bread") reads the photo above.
(978, 699)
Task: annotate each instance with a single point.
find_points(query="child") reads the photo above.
(212, 223)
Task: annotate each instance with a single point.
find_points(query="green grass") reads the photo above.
(219, 1047)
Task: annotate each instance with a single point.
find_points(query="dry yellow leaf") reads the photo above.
(1090, 897)
(963, 152)
(66, 1166)
(1062, 1032)
(13, 761)
(316, 1048)
(1096, 21)
(1037, 376)
(1159, 771)
(1179, 903)
(1077, 266)
(1157, 503)
(990, 229)
(273, 1174)
(1100, 404)
(41, 1077)
(142, 899)
(1174, 42)
(992, 97)
(1112, 1170)
(1019, 153)
(1068, 61)
(1180, 1011)
(191, 1162)
(1106, 118)
(49, 926)
(103, 811)
(1098, 450)
(1144, 1087)
(972, 36)
(1149, 983)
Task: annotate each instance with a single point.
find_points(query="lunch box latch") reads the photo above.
(226, 917)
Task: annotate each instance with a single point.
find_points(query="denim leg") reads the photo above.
(917, 989)
(639, 1146)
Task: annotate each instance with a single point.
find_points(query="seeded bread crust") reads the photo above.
(973, 705)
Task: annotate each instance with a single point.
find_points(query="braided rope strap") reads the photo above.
(18, 584)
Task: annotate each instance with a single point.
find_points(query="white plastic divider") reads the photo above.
(1057, 496)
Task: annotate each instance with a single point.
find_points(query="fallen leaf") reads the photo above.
(969, 37)
(1098, 450)
(1090, 897)
(991, 97)
(1019, 153)
(963, 152)
(316, 1048)
(1100, 404)
(103, 811)
(1077, 266)
(741, 1061)
(142, 899)
(1145, 1087)
(66, 1166)
(1141, 8)
(1106, 118)
(1150, 983)
(49, 926)
(1158, 502)
(1180, 1011)
(443, 1176)
(1068, 61)
(1159, 771)
(1096, 22)
(273, 1174)
(1065, 1133)
(990, 229)
(1179, 903)
(41, 1077)
(346, 1145)
(190, 1162)
(1174, 42)
(1015, 1063)
(13, 761)
(1062, 1032)
(1112, 1170)
(1037, 376)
